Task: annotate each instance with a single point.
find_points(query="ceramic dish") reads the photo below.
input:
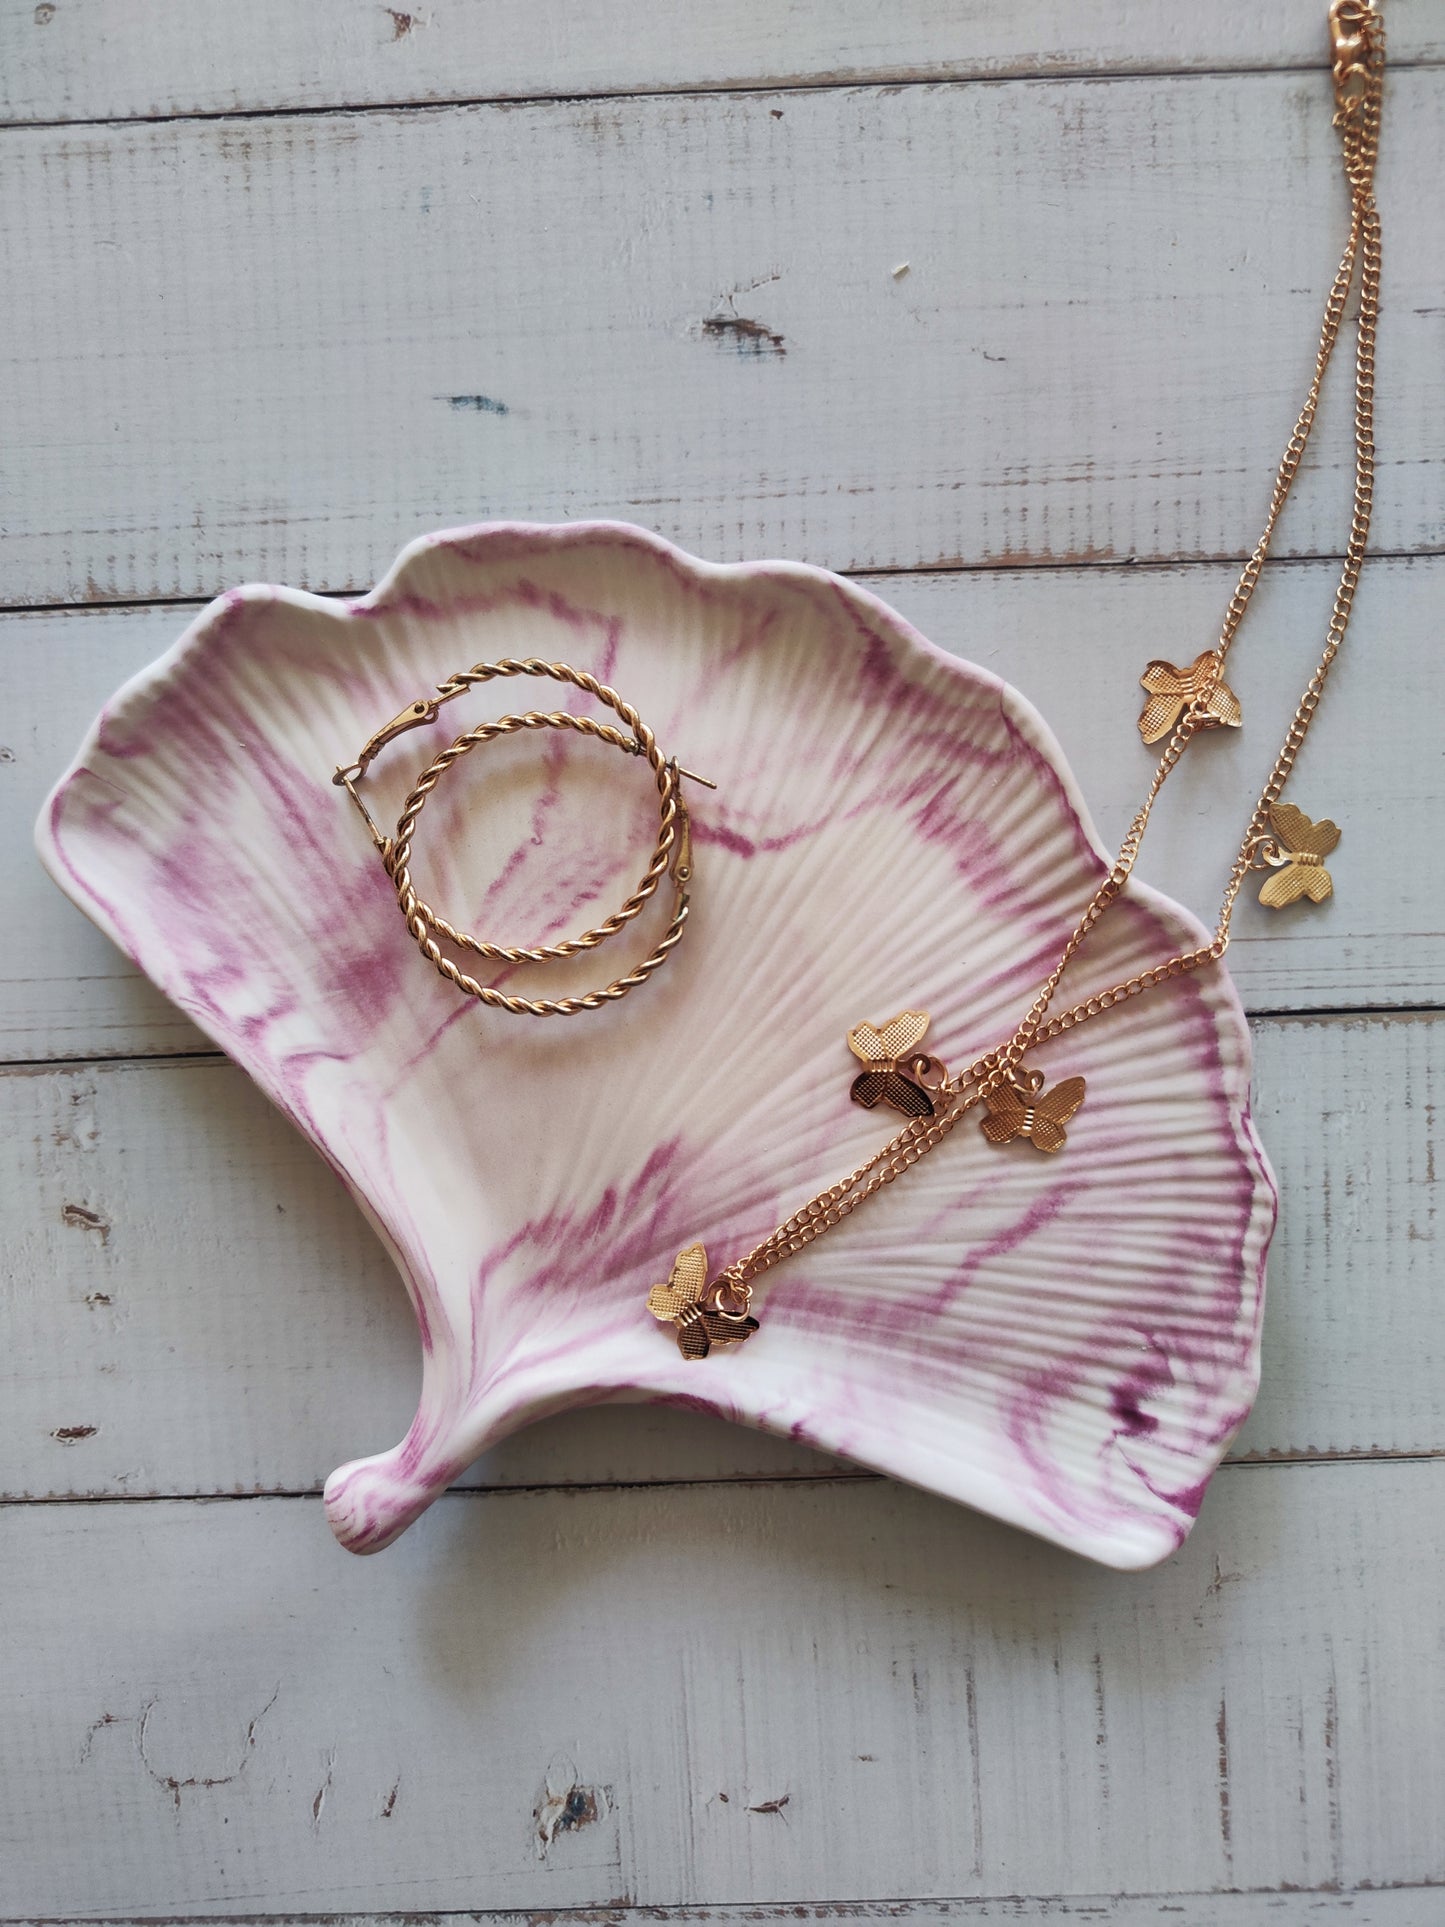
(1068, 1343)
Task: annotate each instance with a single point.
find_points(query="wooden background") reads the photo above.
(287, 284)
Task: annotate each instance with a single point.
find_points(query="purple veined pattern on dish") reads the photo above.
(1068, 1343)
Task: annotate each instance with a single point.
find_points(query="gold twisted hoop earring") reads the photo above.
(671, 857)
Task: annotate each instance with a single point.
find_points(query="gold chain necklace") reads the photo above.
(1181, 702)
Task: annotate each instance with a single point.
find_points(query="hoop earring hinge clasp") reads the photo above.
(680, 867)
(424, 710)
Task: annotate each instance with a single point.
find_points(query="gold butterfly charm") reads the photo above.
(1171, 692)
(896, 1070)
(697, 1311)
(1026, 1109)
(1300, 871)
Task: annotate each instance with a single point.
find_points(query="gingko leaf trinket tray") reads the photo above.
(1067, 1342)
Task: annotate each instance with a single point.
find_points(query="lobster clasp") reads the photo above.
(1352, 23)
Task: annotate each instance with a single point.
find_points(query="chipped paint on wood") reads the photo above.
(747, 336)
(772, 1806)
(564, 1805)
(476, 404)
(318, 1803)
(145, 1746)
(84, 1219)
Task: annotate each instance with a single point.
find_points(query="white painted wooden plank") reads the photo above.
(1360, 1907)
(1354, 1272)
(784, 1694)
(111, 59)
(278, 347)
(1072, 640)
(64, 990)
(193, 1306)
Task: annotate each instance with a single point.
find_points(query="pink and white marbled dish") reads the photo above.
(1069, 1343)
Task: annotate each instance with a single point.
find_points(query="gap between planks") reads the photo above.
(1306, 1459)
(1042, 565)
(70, 65)
(1371, 1905)
(169, 1058)
(753, 88)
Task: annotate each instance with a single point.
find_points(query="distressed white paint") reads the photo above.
(277, 347)
(944, 1706)
(262, 405)
(1071, 640)
(108, 59)
(198, 1307)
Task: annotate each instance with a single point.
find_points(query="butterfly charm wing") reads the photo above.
(684, 1287)
(1224, 705)
(697, 1335)
(1295, 830)
(1169, 690)
(881, 1043)
(1052, 1111)
(1301, 837)
(1007, 1115)
(1287, 885)
(900, 1091)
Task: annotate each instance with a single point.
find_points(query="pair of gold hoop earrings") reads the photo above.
(671, 856)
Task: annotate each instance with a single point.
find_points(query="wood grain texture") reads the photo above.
(112, 59)
(1072, 640)
(543, 1700)
(682, 311)
(195, 1306)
